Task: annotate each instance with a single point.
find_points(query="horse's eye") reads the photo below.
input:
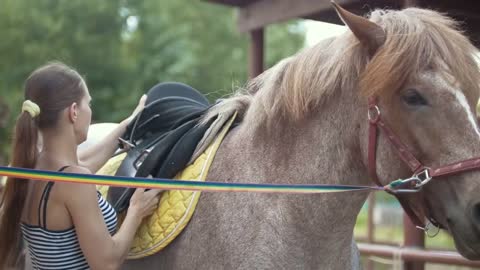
(413, 98)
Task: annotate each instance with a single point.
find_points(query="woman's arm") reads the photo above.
(95, 156)
(102, 250)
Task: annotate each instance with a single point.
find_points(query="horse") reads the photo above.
(392, 97)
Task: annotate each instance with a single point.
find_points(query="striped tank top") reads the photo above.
(60, 249)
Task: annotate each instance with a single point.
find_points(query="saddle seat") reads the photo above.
(162, 138)
(161, 141)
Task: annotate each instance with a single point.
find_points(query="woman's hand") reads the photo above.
(138, 109)
(144, 202)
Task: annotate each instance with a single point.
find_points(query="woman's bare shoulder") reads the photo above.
(76, 189)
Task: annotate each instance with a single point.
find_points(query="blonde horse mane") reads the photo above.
(416, 40)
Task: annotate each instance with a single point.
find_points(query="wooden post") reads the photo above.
(413, 238)
(256, 53)
(371, 227)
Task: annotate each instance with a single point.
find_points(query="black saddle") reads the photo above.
(163, 136)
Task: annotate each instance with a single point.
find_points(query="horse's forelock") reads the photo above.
(418, 39)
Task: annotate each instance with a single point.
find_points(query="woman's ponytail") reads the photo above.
(24, 155)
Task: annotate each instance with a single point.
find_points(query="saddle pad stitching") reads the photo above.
(185, 215)
(179, 224)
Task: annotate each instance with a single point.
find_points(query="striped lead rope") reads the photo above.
(170, 184)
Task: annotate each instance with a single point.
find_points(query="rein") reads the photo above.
(170, 184)
(421, 174)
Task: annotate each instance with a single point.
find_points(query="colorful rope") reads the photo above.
(169, 184)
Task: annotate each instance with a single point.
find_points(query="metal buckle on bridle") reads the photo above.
(373, 114)
(424, 177)
(431, 230)
(413, 184)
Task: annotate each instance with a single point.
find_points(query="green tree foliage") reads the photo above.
(125, 47)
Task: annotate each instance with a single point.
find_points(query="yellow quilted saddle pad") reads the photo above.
(175, 208)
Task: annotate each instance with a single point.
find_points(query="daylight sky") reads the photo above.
(316, 31)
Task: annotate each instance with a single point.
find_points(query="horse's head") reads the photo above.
(424, 74)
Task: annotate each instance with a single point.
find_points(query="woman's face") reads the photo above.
(84, 116)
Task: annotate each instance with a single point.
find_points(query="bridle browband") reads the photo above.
(421, 174)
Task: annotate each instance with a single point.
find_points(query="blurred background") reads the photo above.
(124, 47)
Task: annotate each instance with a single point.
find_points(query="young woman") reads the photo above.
(65, 225)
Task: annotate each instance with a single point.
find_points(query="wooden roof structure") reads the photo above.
(255, 15)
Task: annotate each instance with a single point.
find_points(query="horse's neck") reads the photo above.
(323, 150)
(329, 143)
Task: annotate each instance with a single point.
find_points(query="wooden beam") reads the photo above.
(256, 53)
(330, 15)
(413, 238)
(264, 12)
(234, 3)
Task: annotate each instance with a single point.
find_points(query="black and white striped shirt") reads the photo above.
(55, 250)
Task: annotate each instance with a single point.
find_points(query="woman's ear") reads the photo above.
(73, 112)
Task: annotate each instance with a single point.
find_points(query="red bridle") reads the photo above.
(421, 173)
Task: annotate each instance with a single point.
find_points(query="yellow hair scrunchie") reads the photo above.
(31, 108)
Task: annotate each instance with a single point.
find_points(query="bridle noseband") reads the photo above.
(421, 174)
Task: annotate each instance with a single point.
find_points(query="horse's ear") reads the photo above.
(368, 33)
